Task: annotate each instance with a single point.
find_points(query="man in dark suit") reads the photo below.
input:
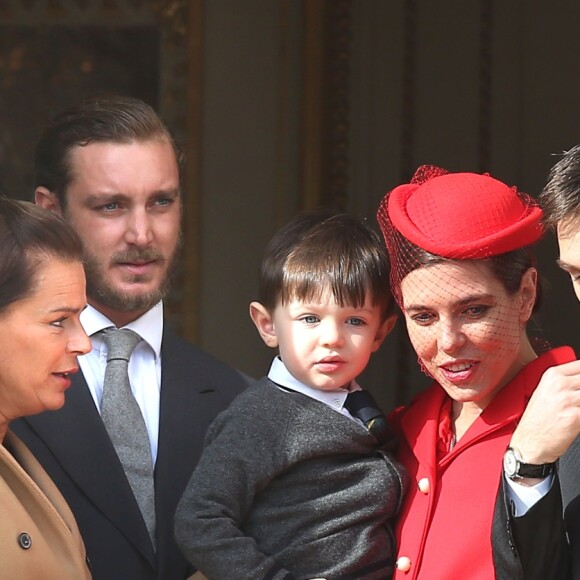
(546, 439)
(111, 167)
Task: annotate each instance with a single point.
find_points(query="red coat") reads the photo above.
(445, 525)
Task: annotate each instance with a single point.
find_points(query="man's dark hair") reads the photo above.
(95, 120)
(560, 198)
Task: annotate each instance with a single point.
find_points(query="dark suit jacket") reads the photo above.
(569, 471)
(533, 546)
(75, 450)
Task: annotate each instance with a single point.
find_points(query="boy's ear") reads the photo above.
(46, 199)
(264, 323)
(384, 330)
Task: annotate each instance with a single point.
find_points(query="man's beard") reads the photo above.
(99, 290)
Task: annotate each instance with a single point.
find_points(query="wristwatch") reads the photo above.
(515, 469)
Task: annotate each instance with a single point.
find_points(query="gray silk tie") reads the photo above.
(125, 424)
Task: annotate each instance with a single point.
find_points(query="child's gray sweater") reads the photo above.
(289, 488)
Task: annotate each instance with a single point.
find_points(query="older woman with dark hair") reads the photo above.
(42, 292)
(465, 279)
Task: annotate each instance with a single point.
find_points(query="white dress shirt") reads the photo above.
(523, 498)
(144, 366)
(280, 375)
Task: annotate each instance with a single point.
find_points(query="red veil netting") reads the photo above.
(447, 235)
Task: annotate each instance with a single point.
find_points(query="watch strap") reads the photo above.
(526, 470)
(529, 470)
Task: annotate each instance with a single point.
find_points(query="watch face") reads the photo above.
(510, 463)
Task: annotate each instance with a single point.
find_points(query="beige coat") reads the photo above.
(39, 537)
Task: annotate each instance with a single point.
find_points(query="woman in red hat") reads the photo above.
(466, 282)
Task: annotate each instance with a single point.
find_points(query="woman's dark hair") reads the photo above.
(29, 235)
(508, 268)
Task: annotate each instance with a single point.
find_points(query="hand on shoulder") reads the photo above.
(551, 420)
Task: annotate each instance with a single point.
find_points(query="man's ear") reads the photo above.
(46, 199)
(384, 330)
(264, 323)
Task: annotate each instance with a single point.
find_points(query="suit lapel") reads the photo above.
(187, 407)
(181, 432)
(193, 392)
(77, 438)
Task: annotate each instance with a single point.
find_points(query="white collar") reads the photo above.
(149, 326)
(280, 375)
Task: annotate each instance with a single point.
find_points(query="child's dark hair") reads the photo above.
(320, 250)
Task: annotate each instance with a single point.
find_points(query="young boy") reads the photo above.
(290, 484)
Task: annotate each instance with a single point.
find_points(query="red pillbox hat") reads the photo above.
(461, 215)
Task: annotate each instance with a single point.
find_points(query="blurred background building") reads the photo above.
(281, 105)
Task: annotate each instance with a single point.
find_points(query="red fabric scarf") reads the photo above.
(445, 435)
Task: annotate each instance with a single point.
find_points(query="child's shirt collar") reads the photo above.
(280, 375)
